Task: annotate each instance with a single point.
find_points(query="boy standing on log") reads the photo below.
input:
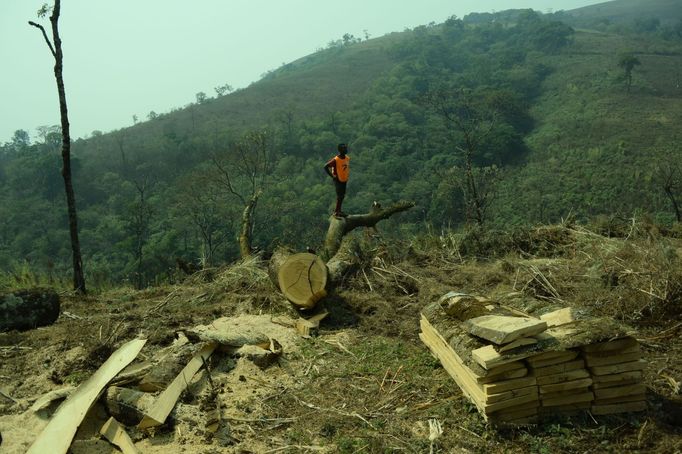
(338, 168)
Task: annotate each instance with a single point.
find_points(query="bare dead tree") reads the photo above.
(140, 217)
(670, 176)
(243, 171)
(472, 122)
(55, 47)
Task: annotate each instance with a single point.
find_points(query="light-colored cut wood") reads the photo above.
(551, 358)
(46, 399)
(506, 395)
(57, 435)
(117, 436)
(565, 386)
(488, 358)
(593, 361)
(610, 346)
(302, 279)
(560, 317)
(531, 399)
(618, 408)
(620, 391)
(555, 399)
(607, 381)
(559, 368)
(619, 368)
(508, 375)
(523, 342)
(501, 329)
(164, 404)
(507, 385)
(563, 377)
(305, 327)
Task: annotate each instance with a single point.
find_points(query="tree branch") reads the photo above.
(339, 227)
(47, 40)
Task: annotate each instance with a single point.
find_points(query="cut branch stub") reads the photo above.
(302, 278)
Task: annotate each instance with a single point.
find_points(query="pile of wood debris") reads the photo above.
(133, 394)
(519, 369)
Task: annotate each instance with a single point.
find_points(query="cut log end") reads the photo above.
(302, 278)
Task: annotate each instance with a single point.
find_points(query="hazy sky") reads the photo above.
(128, 57)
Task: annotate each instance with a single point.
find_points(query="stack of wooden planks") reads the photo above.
(519, 369)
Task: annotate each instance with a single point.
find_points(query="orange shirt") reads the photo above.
(341, 168)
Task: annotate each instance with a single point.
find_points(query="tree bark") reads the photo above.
(245, 249)
(339, 227)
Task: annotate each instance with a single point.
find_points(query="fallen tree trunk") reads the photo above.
(27, 309)
(340, 226)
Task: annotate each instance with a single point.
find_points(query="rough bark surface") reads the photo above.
(28, 309)
(245, 249)
(340, 226)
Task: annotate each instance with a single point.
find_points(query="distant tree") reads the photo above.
(669, 176)
(628, 62)
(201, 97)
(470, 122)
(152, 115)
(139, 218)
(134, 119)
(244, 171)
(56, 50)
(223, 89)
(20, 140)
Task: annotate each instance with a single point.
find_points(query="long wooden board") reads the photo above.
(508, 375)
(553, 400)
(593, 361)
(506, 395)
(609, 381)
(489, 358)
(164, 404)
(501, 329)
(566, 386)
(117, 436)
(619, 368)
(551, 358)
(563, 377)
(507, 385)
(559, 368)
(57, 435)
(619, 391)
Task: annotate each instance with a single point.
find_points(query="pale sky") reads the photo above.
(129, 57)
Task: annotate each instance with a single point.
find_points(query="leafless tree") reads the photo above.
(56, 49)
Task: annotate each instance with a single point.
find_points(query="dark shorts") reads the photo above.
(340, 188)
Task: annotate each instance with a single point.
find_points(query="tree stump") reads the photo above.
(302, 278)
(27, 309)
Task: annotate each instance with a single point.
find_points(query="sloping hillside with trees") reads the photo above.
(495, 120)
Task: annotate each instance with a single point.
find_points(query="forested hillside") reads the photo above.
(544, 112)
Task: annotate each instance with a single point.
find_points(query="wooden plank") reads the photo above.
(507, 385)
(564, 409)
(620, 391)
(593, 361)
(57, 435)
(508, 375)
(523, 342)
(566, 386)
(560, 317)
(501, 329)
(558, 368)
(618, 408)
(555, 399)
(531, 399)
(506, 395)
(489, 358)
(620, 400)
(551, 358)
(164, 404)
(506, 415)
(117, 436)
(610, 346)
(453, 364)
(631, 349)
(624, 378)
(619, 368)
(563, 377)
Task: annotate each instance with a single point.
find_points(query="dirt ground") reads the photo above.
(364, 383)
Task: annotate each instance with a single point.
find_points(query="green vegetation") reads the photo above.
(554, 134)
